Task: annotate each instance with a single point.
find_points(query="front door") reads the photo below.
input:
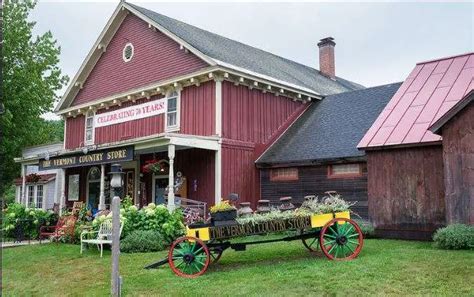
(94, 195)
(160, 190)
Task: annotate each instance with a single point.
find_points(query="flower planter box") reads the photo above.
(228, 215)
(199, 225)
(321, 219)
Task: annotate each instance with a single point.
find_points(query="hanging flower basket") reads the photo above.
(32, 178)
(153, 166)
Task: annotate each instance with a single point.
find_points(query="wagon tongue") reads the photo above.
(157, 264)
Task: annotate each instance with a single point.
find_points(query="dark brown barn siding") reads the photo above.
(458, 154)
(406, 191)
(313, 180)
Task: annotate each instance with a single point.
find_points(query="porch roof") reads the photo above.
(140, 144)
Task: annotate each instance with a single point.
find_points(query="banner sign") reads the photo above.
(92, 158)
(298, 223)
(135, 112)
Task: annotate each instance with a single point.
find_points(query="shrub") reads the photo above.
(142, 241)
(367, 228)
(14, 213)
(149, 218)
(455, 237)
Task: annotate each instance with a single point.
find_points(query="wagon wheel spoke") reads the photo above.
(347, 239)
(188, 257)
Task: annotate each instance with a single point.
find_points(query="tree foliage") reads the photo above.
(31, 79)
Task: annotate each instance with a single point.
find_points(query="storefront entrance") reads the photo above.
(160, 184)
(93, 189)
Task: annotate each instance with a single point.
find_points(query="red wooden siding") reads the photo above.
(406, 191)
(131, 129)
(251, 115)
(251, 120)
(198, 105)
(156, 57)
(197, 118)
(196, 165)
(74, 132)
(239, 174)
(458, 155)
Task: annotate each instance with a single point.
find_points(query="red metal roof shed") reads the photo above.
(431, 89)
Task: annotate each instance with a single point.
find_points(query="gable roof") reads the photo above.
(228, 52)
(431, 89)
(438, 125)
(216, 50)
(330, 129)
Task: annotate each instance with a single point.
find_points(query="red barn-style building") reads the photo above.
(171, 102)
(418, 180)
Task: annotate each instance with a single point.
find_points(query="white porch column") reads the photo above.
(218, 175)
(62, 199)
(102, 188)
(171, 153)
(23, 185)
(218, 114)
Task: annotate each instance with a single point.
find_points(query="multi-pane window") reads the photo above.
(39, 196)
(284, 174)
(31, 196)
(89, 133)
(344, 170)
(172, 111)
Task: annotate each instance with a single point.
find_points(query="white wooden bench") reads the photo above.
(104, 236)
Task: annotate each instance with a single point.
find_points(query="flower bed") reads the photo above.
(16, 213)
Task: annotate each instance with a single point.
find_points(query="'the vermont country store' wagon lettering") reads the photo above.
(266, 227)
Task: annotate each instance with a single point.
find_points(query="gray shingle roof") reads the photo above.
(331, 128)
(250, 58)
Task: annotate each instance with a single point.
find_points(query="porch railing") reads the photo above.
(193, 205)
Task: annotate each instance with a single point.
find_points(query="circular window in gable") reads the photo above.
(128, 51)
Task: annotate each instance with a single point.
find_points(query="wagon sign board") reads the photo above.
(91, 158)
(222, 232)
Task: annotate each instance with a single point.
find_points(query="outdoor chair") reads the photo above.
(65, 226)
(76, 207)
(104, 236)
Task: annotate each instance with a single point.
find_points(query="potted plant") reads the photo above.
(223, 211)
(194, 220)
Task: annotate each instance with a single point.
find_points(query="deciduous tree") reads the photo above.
(31, 80)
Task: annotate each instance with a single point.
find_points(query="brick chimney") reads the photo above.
(326, 57)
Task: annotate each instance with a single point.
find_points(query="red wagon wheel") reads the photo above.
(341, 239)
(189, 257)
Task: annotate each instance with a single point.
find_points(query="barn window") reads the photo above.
(39, 196)
(172, 112)
(128, 52)
(89, 133)
(284, 174)
(344, 170)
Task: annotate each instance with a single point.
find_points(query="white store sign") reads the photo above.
(131, 113)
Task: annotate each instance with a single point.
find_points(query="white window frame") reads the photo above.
(89, 114)
(37, 197)
(33, 196)
(123, 52)
(176, 127)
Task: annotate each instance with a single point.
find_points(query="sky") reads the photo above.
(376, 43)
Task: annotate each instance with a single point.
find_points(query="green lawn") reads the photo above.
(385, 267)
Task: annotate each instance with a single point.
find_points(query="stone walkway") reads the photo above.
(11, 244)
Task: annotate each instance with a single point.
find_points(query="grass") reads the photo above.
(385, 267)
